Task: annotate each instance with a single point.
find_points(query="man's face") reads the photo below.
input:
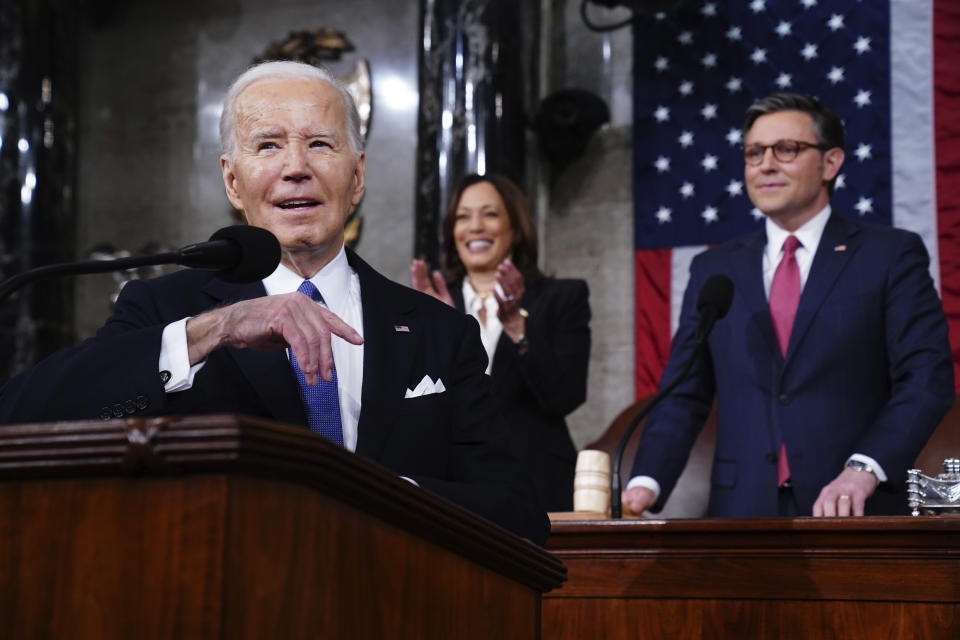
(789, 193)
(294, 173)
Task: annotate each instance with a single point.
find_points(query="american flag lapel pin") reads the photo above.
(840, 247)
(401, 328)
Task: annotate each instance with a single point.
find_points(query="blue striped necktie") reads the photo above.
(321, 402)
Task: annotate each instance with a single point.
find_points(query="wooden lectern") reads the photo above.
(231, 527)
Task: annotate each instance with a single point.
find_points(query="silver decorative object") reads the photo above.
(935, 495)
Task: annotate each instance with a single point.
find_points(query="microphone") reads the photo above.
(240, 253)
(713, 303)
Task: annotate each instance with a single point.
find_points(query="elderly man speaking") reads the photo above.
(324, 341)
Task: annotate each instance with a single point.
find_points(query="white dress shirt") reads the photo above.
(490, 330)
(809, 235)
(339, 285)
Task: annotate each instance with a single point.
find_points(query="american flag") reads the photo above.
(696, 71)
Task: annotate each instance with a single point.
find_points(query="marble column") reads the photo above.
(476, 76)
(37, 156)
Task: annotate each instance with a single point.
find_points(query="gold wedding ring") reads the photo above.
(844, 498)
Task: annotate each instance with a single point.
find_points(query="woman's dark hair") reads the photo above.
(524, 246)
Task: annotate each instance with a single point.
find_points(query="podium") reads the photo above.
(232, 527)
(873, 577)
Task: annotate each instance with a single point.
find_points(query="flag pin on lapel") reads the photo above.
(840, 247)
(401, 328)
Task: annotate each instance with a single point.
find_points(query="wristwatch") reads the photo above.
(859, 465)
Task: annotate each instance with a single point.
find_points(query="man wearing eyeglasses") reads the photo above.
(832, 367)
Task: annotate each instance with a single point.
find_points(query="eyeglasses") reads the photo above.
(783, 150)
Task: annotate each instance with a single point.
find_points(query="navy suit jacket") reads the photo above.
(868, 370)
(453, 443)
(538, 389)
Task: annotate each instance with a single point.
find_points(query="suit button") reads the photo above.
(784, 398)
(771, 457)
(129, 407)
(118, 411)
(142, 402)
(105, 413)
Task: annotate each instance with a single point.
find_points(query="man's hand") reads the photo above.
(273, 323)
(638, 499)
(846, 495)
(435, 286)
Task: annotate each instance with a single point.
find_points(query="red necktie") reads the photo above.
(784, 299)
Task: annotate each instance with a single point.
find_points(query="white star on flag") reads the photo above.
(687, 190)
(809, 51)
(709, 60)
(709, 9)
(758, 56)
(863, 152)
(685, 37)
(835, 75)
(686, 88)
(661, 64)
(784, 80)
(734, 136)
(663, 215)
(734, 84)
(862, 45)
(662, 164)
(735, 188)
(756, 213)
(710, 214)
(862, 98)
(758, 5)
(662, 113)
(864, 206)
(709, 162)
(734, 33)
(685, 139)
(835, 22)
(709, 111)
(784, 29)
(840, 182)
(808, 4)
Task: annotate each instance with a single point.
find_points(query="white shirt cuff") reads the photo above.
(877, 469)
(174, 365)
(645, 481)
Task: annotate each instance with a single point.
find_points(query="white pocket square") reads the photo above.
(425, 388)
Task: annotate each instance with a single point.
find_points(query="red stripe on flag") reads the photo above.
(652, 318)
(946, 90)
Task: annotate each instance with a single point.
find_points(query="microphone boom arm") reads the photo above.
(89, 266)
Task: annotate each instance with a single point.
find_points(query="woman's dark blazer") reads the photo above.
(539, 388)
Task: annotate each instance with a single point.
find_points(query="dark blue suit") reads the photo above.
(452, 443)
(868, 370)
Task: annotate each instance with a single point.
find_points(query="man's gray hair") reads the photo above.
(283, 69)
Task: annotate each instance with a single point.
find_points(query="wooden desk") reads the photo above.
(851, 578)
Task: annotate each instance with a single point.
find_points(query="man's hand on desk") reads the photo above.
(846, 495)
(273, 323)
(638, 499)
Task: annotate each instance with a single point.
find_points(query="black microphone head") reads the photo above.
(717, 294)
(259, 253)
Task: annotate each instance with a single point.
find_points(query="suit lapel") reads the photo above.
(388, 355)
(826, 268)
(268, 372)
